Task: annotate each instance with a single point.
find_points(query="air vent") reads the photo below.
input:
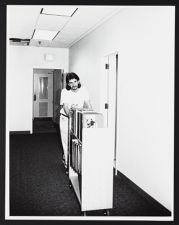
(19, 41)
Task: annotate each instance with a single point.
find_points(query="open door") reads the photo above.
(59, 84)
(43, 93)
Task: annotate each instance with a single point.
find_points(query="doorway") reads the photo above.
(47, 86)
(109, 97)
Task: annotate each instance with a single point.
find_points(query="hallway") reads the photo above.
(40, 187)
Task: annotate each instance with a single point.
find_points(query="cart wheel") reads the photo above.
(107, 213)
(66, 171)
(70, 185)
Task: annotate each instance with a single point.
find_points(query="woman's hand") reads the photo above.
(73, 107)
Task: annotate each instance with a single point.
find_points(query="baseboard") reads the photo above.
(144, 194)
(20, 132)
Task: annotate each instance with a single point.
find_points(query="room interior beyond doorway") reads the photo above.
(47, 86)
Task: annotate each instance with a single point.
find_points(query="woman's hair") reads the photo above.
(70, 76)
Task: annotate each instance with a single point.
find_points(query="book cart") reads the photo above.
(90, 161)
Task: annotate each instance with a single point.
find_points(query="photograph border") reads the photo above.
(3, 111)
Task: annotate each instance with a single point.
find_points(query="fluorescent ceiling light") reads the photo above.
(59, 10)
(44, 34)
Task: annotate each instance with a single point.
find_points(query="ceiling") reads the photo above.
(71, 23)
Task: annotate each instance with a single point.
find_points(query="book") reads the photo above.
(82, 119)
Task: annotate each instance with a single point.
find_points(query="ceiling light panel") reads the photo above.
(44, 34)
(49, 22)
(59, 10)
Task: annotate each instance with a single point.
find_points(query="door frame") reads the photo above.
(36, 68)
(62, 85)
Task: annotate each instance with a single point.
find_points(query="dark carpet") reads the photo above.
(40, 187)
(44, 125)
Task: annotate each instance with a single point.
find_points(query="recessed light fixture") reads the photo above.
(44, 34)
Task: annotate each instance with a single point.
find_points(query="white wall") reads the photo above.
(21, 60)
(144, 38)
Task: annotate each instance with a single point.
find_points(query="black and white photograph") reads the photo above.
(89, 112)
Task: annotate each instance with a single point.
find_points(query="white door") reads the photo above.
(110, 80)
(43, 95)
